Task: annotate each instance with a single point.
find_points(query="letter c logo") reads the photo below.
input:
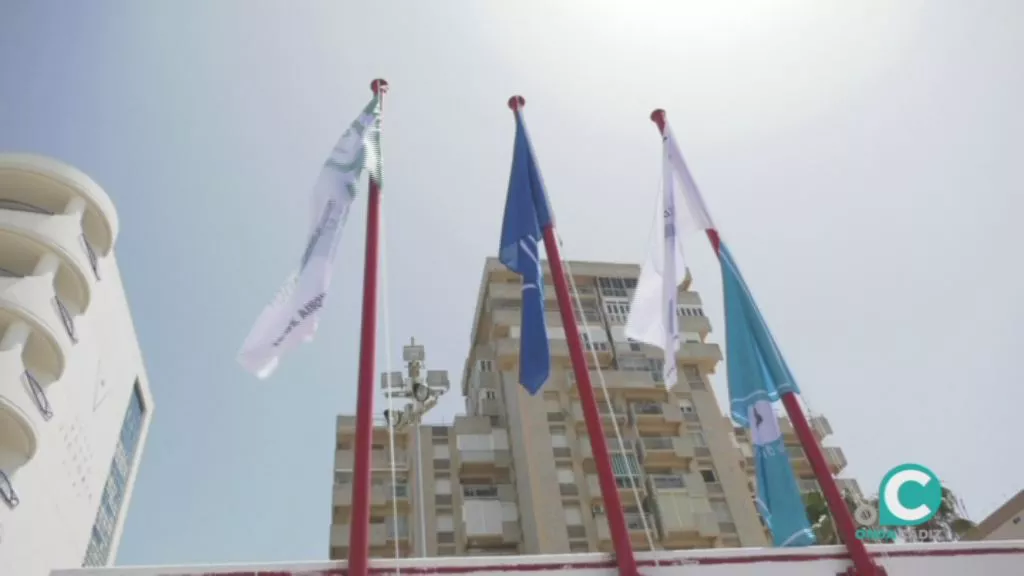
(909, 495)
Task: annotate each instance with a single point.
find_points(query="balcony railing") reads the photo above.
(67, 319)
(23, 207)
(480, 492)
(667, 482)
(628, 482)
(477, 456)
(648, 408)
(657, 443)
(94, 260)
(7, 493)
(39, 396)
(636, 521)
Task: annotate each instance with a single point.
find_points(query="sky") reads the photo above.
(857, 156)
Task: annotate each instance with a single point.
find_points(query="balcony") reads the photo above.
(696, 324)
(705, 354)
(635, 526)
(635, 385)
(381, 536)
(30, 231)
(681, 527)
(344, 460)
(483, 461)
(625, 484)
(24, 410)
(587, 449)
(820, 426)
(381, 496)
(666, 483)
(834, 457)
(59, 188)
(619, 413)
(666, 451)
(32, 300)
(490, 516)
(655, 417)
(513, 291)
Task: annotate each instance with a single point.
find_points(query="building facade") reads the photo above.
(516, 474)
(1005, 523)
(74, 398)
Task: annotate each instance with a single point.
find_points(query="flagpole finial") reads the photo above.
(516, 102)
(658, 117)
(379, 85)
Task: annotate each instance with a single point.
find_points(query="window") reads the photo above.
(445, 523)
(485, 366)
(489, 395)
(624, 465)
(442, 486)
(708, 475)
(441, 452)
(616, 287)
(573, 516)
(617, 311)
(566, 475)
(690, 310)
(111, 500)
(686, 406)
(721, 510)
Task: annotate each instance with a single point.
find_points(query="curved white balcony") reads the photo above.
(28, 232)
(50, 184)
(24, 406)
(32, 300)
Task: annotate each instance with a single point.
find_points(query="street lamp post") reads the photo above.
(420, 389)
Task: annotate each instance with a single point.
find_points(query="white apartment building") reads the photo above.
(75, 405)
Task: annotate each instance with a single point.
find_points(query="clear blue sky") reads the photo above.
(861, 158)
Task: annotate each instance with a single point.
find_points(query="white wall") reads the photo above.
(988, 559)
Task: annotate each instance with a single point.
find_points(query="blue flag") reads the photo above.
(758, 375)
(526, 214)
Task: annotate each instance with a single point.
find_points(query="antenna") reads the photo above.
(420, 390)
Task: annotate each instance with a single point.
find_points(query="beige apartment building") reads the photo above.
(516, 474)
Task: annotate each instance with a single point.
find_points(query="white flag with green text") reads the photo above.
(293, 315)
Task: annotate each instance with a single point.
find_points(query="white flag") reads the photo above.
(653, 314)
(293, 315)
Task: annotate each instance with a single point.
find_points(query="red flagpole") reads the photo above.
(609, 489)
(359, 523)
(863, 565)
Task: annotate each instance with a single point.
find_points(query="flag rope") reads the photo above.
(386, 321)
(578, 304)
